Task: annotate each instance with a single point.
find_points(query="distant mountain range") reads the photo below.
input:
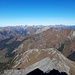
(12, 31)
(31, 47)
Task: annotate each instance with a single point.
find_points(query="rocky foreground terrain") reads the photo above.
(25, 48)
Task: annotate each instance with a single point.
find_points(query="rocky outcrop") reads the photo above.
(44, 59)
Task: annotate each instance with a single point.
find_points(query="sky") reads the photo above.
(37, 12)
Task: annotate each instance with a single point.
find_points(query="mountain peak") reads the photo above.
(44, 59)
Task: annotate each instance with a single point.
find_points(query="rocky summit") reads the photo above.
(44, 59)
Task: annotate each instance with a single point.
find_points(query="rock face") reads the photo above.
(44, 59)
(42, 29)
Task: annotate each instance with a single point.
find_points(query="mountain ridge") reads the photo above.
(37, 42)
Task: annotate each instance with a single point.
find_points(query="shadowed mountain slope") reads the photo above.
(52, 72)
